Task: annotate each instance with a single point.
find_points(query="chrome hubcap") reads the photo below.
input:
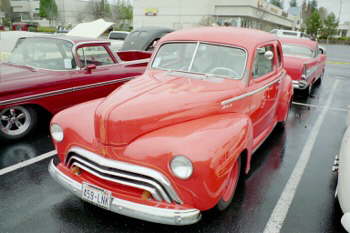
(14, 121)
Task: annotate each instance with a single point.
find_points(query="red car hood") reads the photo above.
(294, 66)
(156, 100)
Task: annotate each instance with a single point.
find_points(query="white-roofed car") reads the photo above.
(290, 34)
(342, 165)
(117, 39)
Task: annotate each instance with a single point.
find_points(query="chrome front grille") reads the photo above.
(123, 173)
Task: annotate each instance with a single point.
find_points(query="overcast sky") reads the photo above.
(334, 5)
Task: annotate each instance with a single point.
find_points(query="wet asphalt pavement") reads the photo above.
(30, 201)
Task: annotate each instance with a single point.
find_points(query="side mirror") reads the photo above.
(322, 51)
(269, 55)
(90, 67)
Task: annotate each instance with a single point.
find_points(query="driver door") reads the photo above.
(265, 83)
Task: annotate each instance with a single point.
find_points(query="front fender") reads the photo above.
(213, 144)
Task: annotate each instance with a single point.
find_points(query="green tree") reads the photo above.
(323, 13)
(101, 9)
(293, 3)
(314, 24)
(5, 7)
(313, 5)
(124, 10)
(330, 26)
(277, 3)
(48, 10)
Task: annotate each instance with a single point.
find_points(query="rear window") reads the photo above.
(297, 50)
(117, 36)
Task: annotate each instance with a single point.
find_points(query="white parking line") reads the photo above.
(279, 214)
(321, 106)
(27, 162)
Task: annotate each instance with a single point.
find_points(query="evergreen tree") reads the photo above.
(293, 3)
(330, 26)
(277, 3)
(48, 9)
(314, 24)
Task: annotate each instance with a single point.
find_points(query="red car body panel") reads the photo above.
(296, 65)
(57, 90)
(160, 114)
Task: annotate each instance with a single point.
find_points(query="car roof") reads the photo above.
(241, 37)
(73, 39)
(153, 29)
(300, 41)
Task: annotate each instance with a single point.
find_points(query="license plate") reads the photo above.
(96, 195)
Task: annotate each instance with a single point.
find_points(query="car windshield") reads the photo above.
(44, 53)
(201, 58)
(297, 50)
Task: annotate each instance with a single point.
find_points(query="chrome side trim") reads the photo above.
(132, 209)
(229, 101)
(62, 91)
(136, 62)
(144, 171)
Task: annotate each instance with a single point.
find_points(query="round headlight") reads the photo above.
(56, 132)
(181, 167)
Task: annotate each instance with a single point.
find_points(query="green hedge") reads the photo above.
(46, 29)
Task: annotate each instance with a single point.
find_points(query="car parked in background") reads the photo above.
(144, 38)
(290, 34)
(117, 39)
(304, 62)
(175, 141)
(53, 73)
(342, 166)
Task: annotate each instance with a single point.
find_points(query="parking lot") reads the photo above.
(289, 189)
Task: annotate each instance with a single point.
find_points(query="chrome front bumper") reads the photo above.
(131, 209)
(300, 84)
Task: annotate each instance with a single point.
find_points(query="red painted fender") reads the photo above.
(213, 144)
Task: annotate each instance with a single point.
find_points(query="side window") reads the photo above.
(96, 55)
(263, 64)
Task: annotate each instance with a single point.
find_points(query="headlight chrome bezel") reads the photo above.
(179, 161)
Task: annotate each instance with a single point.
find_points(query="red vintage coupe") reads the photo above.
(53, 73)
(175, 141)
(305, 62)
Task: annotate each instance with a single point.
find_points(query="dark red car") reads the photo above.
(53, 73)
(305, 62)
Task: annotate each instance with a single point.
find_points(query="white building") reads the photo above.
(344, 30)
(183, 14)
(26, 9)
(73, 11)
(69, 11)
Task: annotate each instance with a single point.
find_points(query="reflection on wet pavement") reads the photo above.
(18, 151)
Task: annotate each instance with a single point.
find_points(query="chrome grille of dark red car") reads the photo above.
(123, 173)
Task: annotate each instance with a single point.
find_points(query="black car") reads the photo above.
(143, 38)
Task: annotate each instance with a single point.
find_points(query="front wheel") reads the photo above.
(231, 187)
(17, 122)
